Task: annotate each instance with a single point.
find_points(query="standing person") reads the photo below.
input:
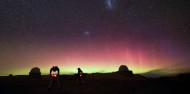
(54, 74)
(80, 76)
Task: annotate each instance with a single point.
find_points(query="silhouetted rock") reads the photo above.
(123, 69)
(35, 72)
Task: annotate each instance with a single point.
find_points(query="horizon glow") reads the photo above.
(96, 60)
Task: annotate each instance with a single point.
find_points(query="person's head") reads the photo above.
(55, 66)
(54, 71)
(79, 69)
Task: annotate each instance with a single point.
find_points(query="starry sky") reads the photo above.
(95, 35)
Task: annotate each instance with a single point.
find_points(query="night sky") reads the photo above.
(95, 35)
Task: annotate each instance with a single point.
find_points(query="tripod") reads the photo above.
(54, 79)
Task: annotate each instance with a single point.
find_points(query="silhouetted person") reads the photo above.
(80, 76)
(54, 74)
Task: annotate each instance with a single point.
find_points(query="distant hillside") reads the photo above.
(168, 71)
(113, 76)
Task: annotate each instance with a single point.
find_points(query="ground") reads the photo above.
(130, 85)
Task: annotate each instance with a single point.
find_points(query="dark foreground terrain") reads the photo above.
(97, 84)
